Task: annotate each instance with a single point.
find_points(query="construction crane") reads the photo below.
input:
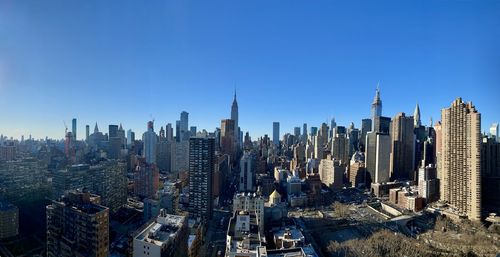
(66, 126)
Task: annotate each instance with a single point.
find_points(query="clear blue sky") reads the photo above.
(291, 61)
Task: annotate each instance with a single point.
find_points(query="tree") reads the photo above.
(340, 210)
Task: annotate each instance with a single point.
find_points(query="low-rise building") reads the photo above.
(243, 236)
(166, 236)
(250, 202)
(288, 237)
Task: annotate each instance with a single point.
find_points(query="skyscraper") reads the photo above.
(77, 225)
(73, 128)
(247, 173)
(130, 137)
(376, 107)
(201, 169)
(169, 132)
(184, 126)
(296, 133)
(461, 158)
(494, 131)
(87, 132)
(192, 131)
(178, 137)
(333, 126)
(227, 138)
(114, 142)
(340, 146)
(304, 133)
(276, 133)
(113, 131)
(402, 147)
(378, 144)
(377, 155)
(366, 126)
(234, 116)
(150, 140)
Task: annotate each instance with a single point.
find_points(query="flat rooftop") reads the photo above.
(162, 230)
(307, 251)
(295, 234)
(244, 241)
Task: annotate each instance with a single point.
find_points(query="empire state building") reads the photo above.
(234, 116)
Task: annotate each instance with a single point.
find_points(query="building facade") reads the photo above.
(461, 158)
(77, 225)
(201, 170)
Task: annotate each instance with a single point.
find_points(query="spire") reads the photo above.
(235, 103)
(376, 105)
(120, 128)
(96, 129)
(416, 117)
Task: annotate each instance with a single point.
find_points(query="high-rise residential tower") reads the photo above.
(73, 128)
(77, 225)
(276, 133)
(184, 126)
(461, 158)
(201, 170)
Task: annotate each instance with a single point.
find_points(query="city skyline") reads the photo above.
(155, 61)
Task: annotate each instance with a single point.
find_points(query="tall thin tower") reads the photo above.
(73, 128)
(234, 116)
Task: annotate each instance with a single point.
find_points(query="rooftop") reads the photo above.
(244, 232)
(289, 233)
(162, 230)
(307, 251)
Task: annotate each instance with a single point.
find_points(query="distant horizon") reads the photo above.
(104, 127)
(110, 62)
